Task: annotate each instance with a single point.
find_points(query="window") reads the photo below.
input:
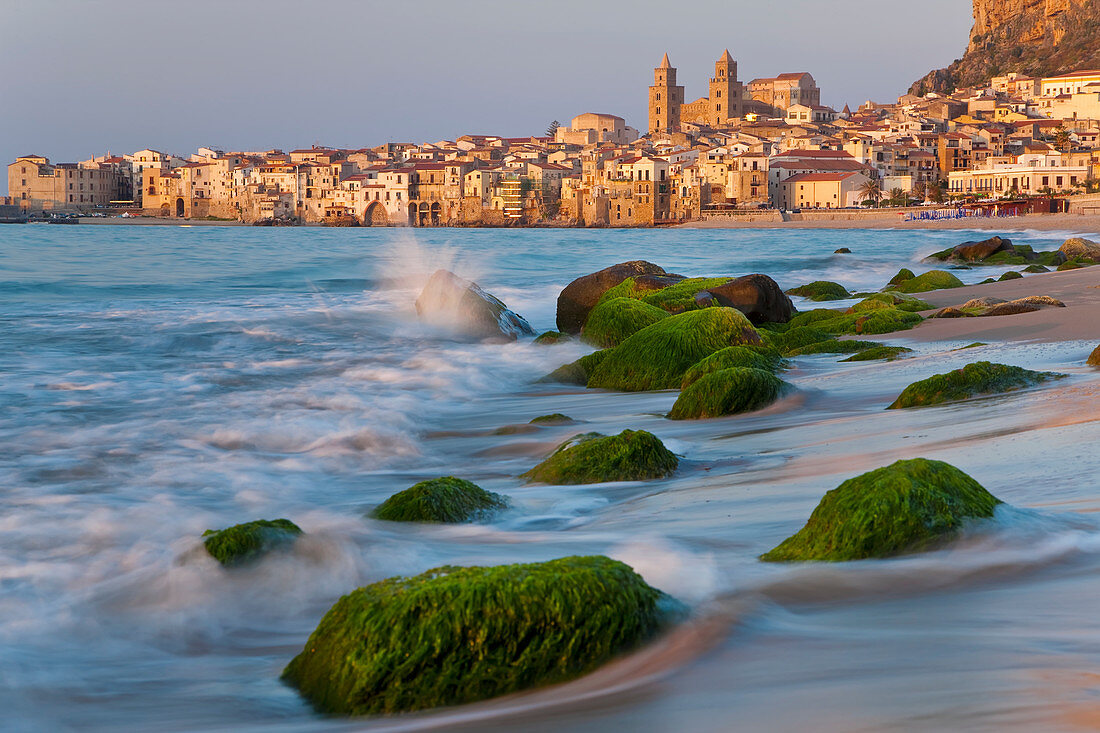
(24, 183)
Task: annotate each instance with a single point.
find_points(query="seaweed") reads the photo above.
(632, 455)
(908, 506)
(728, 392)
(445, 500)
(455, 635)
(245, 542)
(979, 378)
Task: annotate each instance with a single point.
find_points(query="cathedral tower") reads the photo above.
(726, 93)
(665, 99)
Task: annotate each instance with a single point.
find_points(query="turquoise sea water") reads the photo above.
(159, 381)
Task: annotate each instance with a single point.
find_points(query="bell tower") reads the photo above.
(665, 99)
(726, 93)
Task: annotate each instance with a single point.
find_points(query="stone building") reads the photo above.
(34, 184)
(783, 91)
(665, 99)
(723, 105)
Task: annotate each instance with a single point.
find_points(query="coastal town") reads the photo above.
(758, 150)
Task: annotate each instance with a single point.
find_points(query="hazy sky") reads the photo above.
(80, 77)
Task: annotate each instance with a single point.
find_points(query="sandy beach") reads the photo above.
(1079, 320)
(894, 220)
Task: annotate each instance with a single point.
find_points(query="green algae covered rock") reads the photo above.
(832, 346)
(821, 290)
(973, 380)
(590, 458)
(869, 304)
(1094, 357)
(555, 418)
(676, 297)
(456, 635)
(548, 338)
(727, 392)
(901, 301)
(874, 353)
(577, 372)
(658, 356)
(612, 321)
(1036, 269)
(931, 280)
(447, 500)
(1010, 275)
(908, 506)
(733, 356)
(242, 543)
(903, 275)
(872, 322)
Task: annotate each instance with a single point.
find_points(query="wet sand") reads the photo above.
(1079, 320)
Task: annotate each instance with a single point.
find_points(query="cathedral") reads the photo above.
(728, 99)
(723, 105)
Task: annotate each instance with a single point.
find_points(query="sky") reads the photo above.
(81, 77)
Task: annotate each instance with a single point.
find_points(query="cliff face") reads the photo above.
(1035, 37)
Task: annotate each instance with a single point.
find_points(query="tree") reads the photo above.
(552, 130)
(920, 190)
(897, 197)
(1062, 139)
(871, 191)
(935, 193)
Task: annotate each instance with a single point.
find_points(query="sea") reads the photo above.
(156, 382)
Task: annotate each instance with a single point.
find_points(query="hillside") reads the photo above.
(1034, 37)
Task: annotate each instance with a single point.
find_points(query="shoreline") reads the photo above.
(886, 220)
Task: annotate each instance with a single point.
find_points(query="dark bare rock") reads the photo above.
(842, 251)
(462, 306)
(581, 295)
(978, 251)
(757, 296)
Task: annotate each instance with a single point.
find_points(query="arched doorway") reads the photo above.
(179, 207)
(375, 216)
(412, 215)
(423, 215)
(436, 209)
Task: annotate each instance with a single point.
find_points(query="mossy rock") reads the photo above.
(548, 338)
(1070, 265)
(242, 543)
(885, 320)
(1036, 268)
(974, 345)
(632, 455)
(727, 392)
(456, 635)
(787, 342)
(931, 280)
(820, 290)
(555, 418)
(810, 317)
(901, 301)
(577, 372)
(613, 321)
(447, 500)
(833, 346)
(658, 356)
(1010, 275)
(676, 298)
(908, 506)
(733, 356)
(987, 281)
(875, 353)
(1094, 357)
(973, 380)
(1050, 259)
(904, 275)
